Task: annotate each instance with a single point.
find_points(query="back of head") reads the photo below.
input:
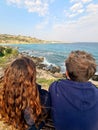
(20, 71)
(80, 65)
(20, 91)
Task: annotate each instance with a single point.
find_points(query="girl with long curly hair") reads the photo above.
(23, 103)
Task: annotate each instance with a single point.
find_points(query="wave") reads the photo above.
(47, 62)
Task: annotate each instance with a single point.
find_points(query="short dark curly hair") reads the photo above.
(80, 65)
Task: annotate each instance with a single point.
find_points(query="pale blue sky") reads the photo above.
(60, 20)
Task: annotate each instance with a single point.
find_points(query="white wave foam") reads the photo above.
(47, 63)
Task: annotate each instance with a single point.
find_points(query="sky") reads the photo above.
(57, 20)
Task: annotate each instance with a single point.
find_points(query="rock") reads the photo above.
(57, 75)
(42, 66)
(95, 77)
(37, 60)
(53, 69)
(44, 74)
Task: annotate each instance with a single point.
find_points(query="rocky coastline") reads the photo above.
(44, 71)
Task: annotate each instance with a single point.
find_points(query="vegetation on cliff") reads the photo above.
(6, 38)
(7, 53)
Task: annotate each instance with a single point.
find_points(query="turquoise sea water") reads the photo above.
(56, 53)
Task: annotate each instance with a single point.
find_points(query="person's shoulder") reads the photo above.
(44, 96)
(55, 84)
(43, 92)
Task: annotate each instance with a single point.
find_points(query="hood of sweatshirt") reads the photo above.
(82, 95)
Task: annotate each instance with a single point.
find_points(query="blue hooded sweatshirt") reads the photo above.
(74, 105)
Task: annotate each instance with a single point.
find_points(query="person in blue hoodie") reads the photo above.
(23, 103)
(74, 100)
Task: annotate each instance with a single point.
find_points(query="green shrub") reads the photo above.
(15, 52)
(8, 50)
(1, 54)
(6, 53)
(2, 51)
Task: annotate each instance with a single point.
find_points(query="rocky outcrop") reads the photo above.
(95, 77)
(43, 70)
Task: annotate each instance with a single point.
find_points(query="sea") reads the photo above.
(56, 53)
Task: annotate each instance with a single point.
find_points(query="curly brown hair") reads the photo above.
(80, 65)
(20, 92)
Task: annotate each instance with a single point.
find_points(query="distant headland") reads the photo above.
(7, 38)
